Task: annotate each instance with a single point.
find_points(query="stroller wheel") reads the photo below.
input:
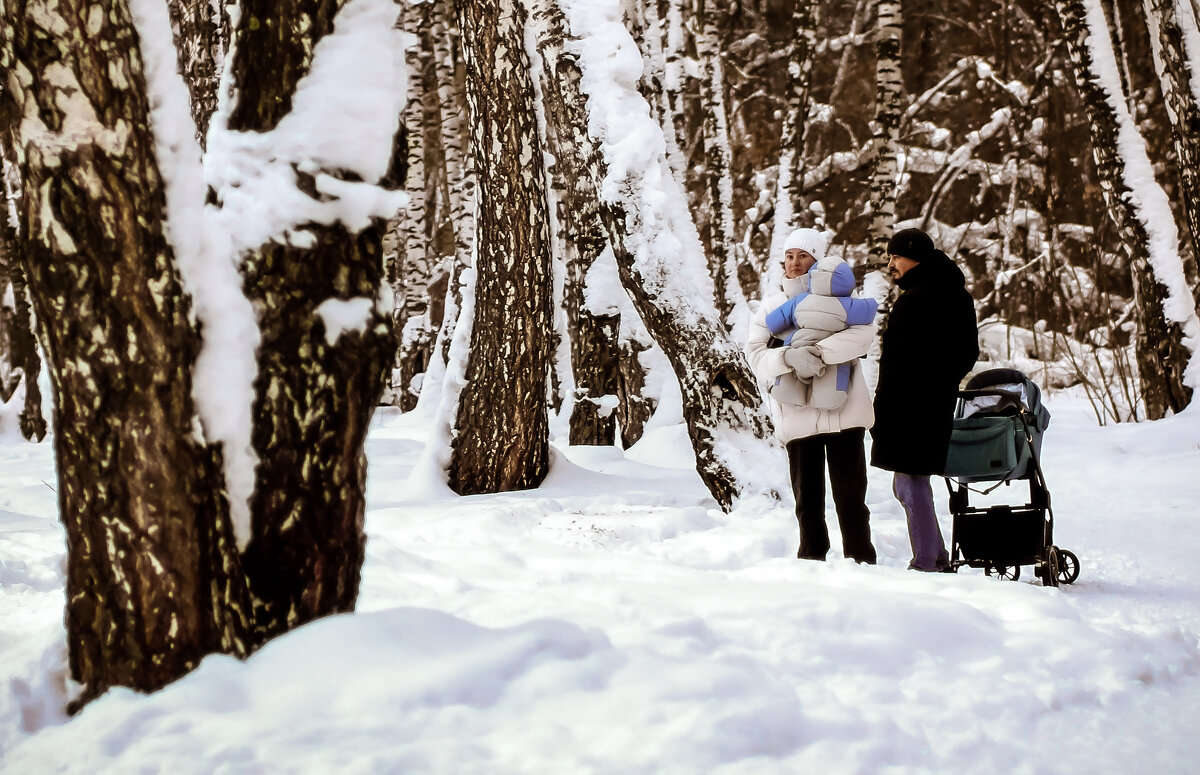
(1048, 572)
(1068, 567)
(1009, 572)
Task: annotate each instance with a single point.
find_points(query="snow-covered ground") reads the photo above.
(614, 621)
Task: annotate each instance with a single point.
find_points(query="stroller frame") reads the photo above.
(1001, 538)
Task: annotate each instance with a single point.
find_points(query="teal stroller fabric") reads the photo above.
(999, 418)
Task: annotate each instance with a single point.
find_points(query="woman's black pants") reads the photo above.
(848, 478)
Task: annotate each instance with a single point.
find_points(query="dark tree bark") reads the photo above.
(502, 436)
(314, 396)
(152, 581)
(197, 33)
(1161, 355)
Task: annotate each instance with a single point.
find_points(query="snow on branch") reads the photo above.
(339, 134)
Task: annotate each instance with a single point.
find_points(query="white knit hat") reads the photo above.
(810, 241)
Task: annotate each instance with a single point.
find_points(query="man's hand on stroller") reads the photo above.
(805, 361)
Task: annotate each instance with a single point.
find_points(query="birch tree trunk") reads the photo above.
(719, 393)
(790, 185)
(594, 336)
(885, 131)
(1179, 90)
(19, 359)
(502, 434)
(1161, 356)
(410, 250)
(722, 252)
(152, 582)
(315, 392)
(459, 164)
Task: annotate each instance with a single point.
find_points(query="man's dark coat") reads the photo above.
(930, 342)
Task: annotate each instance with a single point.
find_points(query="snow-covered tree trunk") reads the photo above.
(1181, 93)
(885, 137)
(501, 432)
(656, 245)
(593, 334)
(1141, 213)
(790, 181)
(318, 380)
(196, 29)
(722, 245)
(152, 582)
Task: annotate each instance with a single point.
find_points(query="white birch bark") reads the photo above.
(886, 130)
(790, 182)
(722, 249)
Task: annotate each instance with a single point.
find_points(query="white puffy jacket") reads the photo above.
(798, 422)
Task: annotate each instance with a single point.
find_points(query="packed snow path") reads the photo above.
(615, 621)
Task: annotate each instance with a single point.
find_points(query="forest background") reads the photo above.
(488, 211)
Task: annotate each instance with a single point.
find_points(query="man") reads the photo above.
(930, 342)
(813, 434)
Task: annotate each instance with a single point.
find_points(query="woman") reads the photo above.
(814, 435)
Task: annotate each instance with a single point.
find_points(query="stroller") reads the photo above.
(997, 437)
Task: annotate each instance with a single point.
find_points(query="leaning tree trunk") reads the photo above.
(150, 550)
(720, 396)
(1180, 86)
(502, 436)
(886, 136)
(1161, 355)
(316, 389)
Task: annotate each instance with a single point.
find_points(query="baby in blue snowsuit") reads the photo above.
(824, 308)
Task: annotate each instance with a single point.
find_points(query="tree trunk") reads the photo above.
(790, 186)
(18, 348)
(152, 584)
(1179, 94)
(459, 163)
(722, 250)
(886, 134)
(593, 334)
(197, 34)
(409, 246)
(316, 390)
(720, 395)
(501, 432)
(1161, 355)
